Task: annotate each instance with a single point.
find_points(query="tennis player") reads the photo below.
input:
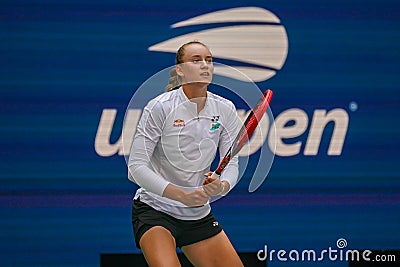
(176, 140)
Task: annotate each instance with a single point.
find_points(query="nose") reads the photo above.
(204, 64)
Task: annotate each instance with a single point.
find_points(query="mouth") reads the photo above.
(205, 74)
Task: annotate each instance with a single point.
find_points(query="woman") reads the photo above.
(175, 142)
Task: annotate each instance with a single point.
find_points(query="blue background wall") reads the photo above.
(63, 62)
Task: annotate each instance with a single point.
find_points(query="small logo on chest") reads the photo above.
(215, 124)
(179, 123)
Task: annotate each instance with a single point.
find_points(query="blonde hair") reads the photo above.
(175, 81)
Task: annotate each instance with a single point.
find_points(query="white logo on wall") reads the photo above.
(262, 46)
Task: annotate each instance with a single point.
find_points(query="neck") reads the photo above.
(198, 90)
(196, 93)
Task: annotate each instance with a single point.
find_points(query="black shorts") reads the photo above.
(185, 232)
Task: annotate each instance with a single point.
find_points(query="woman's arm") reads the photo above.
(147, 135)
(229, 176)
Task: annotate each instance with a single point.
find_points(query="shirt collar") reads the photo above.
(184, 99)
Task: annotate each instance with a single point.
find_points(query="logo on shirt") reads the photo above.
(215, 118)
(179, 123)
(215, 124)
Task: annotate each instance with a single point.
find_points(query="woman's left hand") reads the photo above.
(213, 186)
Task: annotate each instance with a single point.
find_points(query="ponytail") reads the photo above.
(174, 81)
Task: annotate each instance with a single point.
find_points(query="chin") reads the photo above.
(206, 80)
(200, 83)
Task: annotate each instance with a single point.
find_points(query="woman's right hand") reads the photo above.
(193, 198)
(196, 198)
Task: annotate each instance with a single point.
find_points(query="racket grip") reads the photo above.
(215, 175)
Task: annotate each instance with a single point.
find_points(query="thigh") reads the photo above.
(216, 251)
(159, 247)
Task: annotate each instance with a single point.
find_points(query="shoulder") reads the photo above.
(161, 102)
(222, 102)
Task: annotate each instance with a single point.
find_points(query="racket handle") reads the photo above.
(215, 175)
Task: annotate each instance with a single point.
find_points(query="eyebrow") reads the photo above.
(200, 56)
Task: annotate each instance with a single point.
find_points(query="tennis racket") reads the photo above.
(246, 131)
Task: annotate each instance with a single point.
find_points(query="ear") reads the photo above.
(179, 71)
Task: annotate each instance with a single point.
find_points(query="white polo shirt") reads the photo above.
(175, 144)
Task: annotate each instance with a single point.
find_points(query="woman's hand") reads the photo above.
(193, 198)
(196, 198)
(214, 186)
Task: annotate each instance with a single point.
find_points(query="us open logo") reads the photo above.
(258, 49)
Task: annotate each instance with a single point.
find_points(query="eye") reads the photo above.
(196, 61)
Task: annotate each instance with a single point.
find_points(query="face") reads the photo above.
(197, 65)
